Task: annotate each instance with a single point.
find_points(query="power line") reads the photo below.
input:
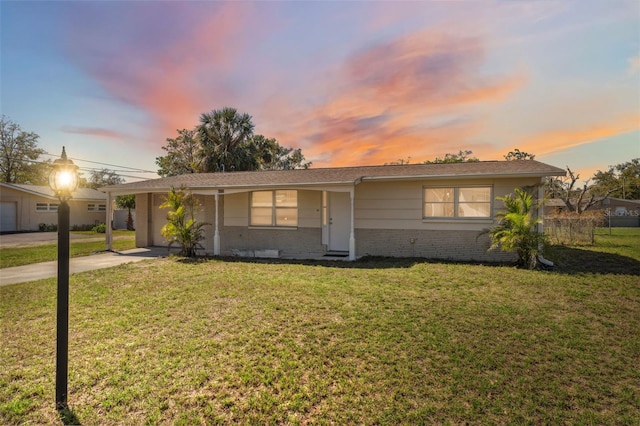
(105, 164)
(92, 169)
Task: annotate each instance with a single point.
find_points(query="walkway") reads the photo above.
(38, 271)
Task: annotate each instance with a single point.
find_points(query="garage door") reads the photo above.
(8, 216)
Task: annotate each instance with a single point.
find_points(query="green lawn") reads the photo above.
(376, 341)
(18, 256)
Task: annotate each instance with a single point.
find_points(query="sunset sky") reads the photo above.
(351, 83)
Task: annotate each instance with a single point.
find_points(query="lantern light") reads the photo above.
(63, 179)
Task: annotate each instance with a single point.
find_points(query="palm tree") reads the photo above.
(127, 202)
(182, 227)
(223, 133)
(517, 229)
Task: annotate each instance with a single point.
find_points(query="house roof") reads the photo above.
(80, 194)
(341, 175)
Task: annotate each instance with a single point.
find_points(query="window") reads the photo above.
(46, 207)
(96, 207)
(457, 202)
(274, 208)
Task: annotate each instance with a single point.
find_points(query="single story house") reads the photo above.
(411, 210)
(24, 207)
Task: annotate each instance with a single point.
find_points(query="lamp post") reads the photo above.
(63, 180)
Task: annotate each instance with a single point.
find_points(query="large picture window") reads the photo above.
(274, 208)
(457, 202)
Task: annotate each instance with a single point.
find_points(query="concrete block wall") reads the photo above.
(300, 242)
(431, 244)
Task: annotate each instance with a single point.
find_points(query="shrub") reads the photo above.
(85, 227)
(517, 229)
(43, 227)
(100, 229)
(181, 227)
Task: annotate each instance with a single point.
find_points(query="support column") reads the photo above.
(352, 232)
(109, 233)
(541, 206)
(216, 232)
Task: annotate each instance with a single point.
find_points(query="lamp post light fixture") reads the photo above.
(63, 180)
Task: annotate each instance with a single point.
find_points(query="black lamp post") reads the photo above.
(63, 180)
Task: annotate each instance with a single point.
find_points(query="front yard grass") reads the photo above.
(18, 256)
(377, 341)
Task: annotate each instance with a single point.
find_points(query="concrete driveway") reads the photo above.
(38, 238)
(38, 271)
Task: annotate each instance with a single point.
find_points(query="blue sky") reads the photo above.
(351, 83)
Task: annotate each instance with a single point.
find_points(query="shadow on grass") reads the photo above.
(68, 417)
(571, 260)
(368, 262)
(567, 261)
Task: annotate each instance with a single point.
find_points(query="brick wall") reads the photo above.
(300, 242)
(432, 244)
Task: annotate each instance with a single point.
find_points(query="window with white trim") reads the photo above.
(96, 207)
(277, 208)
(457, 202)
(46, 207)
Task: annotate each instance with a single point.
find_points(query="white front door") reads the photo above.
(339, 221)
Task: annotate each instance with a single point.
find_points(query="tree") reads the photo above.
(182, 227)
(516, 154)
(577, 200)
(183, 155)
(270, 155)
(517, 229)
(127, 202)
(224, 142)
(104, 177)
(619, 181)
(224, 135)
(19, 154)
(460, 157)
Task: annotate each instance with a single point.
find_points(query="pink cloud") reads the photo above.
(560, 139)
(388, 102)
(174, 79)
(94, 131)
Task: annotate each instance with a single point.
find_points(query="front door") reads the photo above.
(339, 221)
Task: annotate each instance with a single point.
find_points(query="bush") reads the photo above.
(182, 227)
(100, 229)
(85, 227)
(43, 227)
(516, 229)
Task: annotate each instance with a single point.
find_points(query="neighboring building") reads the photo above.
(423, 210)
(120, 218)
(620, 212)
(25, 207)
(617, 212)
